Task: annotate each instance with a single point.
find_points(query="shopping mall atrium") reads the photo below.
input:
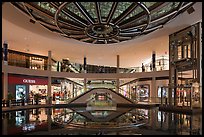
(101, 68)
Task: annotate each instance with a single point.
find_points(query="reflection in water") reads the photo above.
(123, 121)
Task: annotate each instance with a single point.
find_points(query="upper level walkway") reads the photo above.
(46, 73)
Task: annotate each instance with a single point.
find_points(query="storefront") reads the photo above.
(27, 86)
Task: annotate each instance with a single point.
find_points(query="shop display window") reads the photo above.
(20, 91)
(143, 92)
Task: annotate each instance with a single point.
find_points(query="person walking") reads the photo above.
(143, 68)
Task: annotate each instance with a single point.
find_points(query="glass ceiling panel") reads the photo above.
(47, 6)
(149, 4)
(72, 7)
(122, 6)
(105, 8)
(90, 8)
(135, 12)
(62, 15)
(164, 10)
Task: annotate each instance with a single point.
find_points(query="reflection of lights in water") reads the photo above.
(28, 127)
(160, 116)
(19, 118)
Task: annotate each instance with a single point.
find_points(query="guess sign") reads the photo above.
(28, 81)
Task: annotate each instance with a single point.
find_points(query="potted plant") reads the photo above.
(37, 97)
(9, 97)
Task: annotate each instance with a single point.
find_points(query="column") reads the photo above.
(117, 80)
(154, 61)
(73, 91)
(85, 71)
(153, 90)
(200, 60)
(5, 57)
(5, 126)
(49, 119)
(49, 78)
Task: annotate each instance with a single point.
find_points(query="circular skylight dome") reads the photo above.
(102, 22)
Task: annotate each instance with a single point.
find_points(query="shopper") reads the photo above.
(143, 68)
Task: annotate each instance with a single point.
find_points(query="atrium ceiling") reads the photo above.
(24, 35)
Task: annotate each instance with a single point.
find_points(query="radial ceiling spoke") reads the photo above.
(73, 17)
(112, 11)
(125, 13)
(54, 5)
(71, 24)
(84, 12)
(139, 16)
(98, 12)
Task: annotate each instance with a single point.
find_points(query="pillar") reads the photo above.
(49, 78)
(117, 80)
(153, 90)
(85, 71)
(154, 61)
(200, 61)
(5, 126)
(49, 119)
(5, 59)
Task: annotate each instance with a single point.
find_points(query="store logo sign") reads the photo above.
(28, 81)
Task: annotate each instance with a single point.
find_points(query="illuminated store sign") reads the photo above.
(28, 81)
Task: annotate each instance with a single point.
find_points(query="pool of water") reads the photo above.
(80, 121)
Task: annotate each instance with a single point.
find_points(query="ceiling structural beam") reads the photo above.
(144, 25)
(86, 39)
(134, 31)
(125, 13)
(60, 21)
(38, 10)
(98, 12)
(40, 20)
(74, 32)
(163, 17)
(78, 36)
(135, 27)
(129, 33)
(94, 41)
(73, 17)
(153, 28)
(112, 11)
(123, 38)
(84, 12)
(188, 4)
(115, 40)
(54, 5)
(69, 24)
(130, 22)
(178, 9)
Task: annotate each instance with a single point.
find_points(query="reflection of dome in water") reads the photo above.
(102, 22)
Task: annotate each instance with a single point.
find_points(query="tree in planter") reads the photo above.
(37, 97)
(10, 96)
